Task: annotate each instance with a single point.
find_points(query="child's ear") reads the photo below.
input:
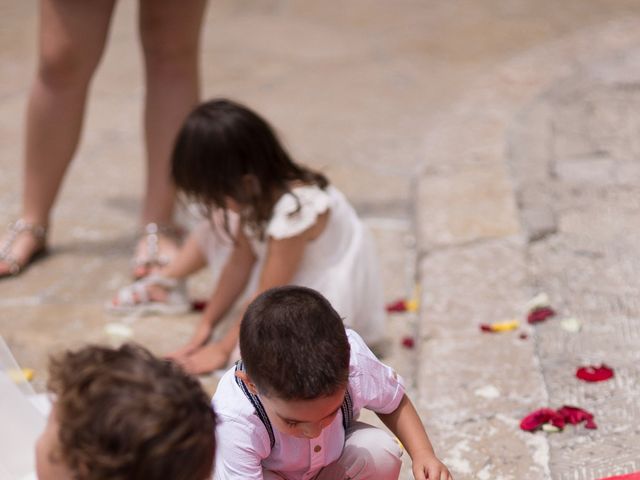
(247, 381)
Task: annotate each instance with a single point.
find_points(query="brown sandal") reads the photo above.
(38, 232)
(151, 233)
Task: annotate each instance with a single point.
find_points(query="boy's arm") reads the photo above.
(405, 423)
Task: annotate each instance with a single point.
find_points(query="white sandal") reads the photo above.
(154, 258)
(37, 231)
(134, 299)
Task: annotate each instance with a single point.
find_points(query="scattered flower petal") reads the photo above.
(539, 301)
(412, 305)
(540, 315)
(523, 336)
(630, 476)
(595, 374)
(21, 375)
(408, 342)
(551, 428)
(505, 326)
(406, 305)
(571, 324)
(500, 326)
(118, 330)
(538, 418)
(198, 305)
(397, 306)
(557, 418)
(576, 415)
(488, 391)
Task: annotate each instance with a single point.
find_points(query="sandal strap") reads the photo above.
(168, 229)
(151, 232)
(39, 232)
(127, 295)
(14, 265)
(165, 282)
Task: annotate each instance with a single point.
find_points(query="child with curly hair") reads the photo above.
(123, 414)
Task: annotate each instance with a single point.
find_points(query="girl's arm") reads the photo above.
(231, 283)
(405, 423)
(281, 264)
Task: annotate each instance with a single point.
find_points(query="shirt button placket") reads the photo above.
(317, 451)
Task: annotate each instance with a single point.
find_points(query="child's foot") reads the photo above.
(156, 247)
(23, 243)
(205, 359)
(151, 295)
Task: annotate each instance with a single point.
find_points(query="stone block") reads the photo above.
(474, 203)
(539, 221)
(585, 171)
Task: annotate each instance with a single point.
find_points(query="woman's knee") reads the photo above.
(166, 51)
(66, 66)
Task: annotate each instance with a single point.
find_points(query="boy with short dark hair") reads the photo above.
(288, 410)
(123, 414)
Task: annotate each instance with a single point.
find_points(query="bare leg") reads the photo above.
(189, 259)
(170, 37)
(72, 36)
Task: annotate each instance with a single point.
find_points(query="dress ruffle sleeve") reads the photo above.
(297, 211)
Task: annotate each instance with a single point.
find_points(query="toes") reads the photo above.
(140, 272)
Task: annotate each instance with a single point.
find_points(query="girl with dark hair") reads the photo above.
(269, 222)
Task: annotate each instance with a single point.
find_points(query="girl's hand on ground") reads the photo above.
(428, 467)
(200, 337)
(205, 359)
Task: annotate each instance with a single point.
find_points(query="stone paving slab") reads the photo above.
(529, 119)
(475, 387)
(589, 265)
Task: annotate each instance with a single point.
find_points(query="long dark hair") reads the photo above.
(220, 143)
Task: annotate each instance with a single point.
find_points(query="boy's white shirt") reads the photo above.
(243, 445)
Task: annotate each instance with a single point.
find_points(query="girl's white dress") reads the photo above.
(341, 263)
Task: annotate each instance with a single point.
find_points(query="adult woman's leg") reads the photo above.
(170, 37)
(72, 35)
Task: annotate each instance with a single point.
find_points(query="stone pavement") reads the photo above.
(491, 146)
(534, 187)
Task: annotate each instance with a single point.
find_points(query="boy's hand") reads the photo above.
(428, 467)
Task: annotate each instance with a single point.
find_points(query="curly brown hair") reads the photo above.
(126, 415)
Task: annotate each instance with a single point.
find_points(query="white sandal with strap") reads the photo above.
(153, 257)
(134, 299)
(38, 232)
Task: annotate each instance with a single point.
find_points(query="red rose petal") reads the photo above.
(630, 476)
(408, 342)
(558, 418)
(523, 336)
(575, 415)
(397, 306)
(594, 374)
(536, 419)
(540, 314)
(198, 305)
